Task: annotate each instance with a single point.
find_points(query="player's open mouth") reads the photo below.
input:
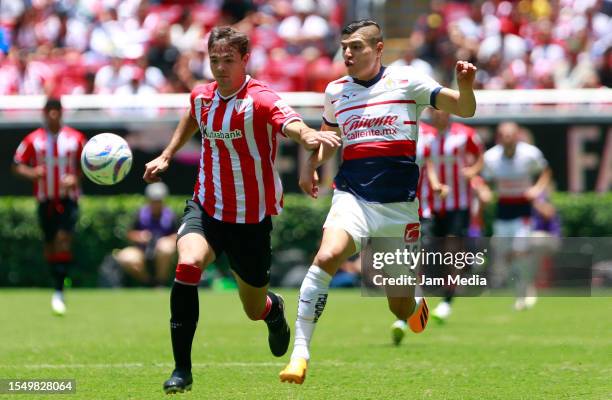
(348, 63)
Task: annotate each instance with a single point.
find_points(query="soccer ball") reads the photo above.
(106, 159)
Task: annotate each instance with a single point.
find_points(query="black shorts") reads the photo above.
(248, 246)
(451, 223)
(54, 216)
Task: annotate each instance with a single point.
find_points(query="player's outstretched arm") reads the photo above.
(185, 129)
(27, 172)
(440, 189)
(462, 102)
(542, 183)
(310, 138)
(309, 179)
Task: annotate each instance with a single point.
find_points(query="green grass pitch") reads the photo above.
(116, 345)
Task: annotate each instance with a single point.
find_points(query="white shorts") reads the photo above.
(362, 219)
(518, 228)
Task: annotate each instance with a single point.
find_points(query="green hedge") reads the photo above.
(296, 235)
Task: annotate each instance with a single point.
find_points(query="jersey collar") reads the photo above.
(372, 81)
(246, 81)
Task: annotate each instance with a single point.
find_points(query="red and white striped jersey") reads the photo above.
(60, 154)
(449, 153)
(427, 133)
(237, 180)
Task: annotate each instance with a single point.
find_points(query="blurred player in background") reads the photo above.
(375, 109)
(153, 235)
(50, 158)
(455, 154)
(237, 191)
(521, 175)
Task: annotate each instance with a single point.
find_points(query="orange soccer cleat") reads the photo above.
(418, 320)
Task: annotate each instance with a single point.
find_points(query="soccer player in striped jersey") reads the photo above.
(375, 109)
(50, 158)
(237, 191)
(455, 153)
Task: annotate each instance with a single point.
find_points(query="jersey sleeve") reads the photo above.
(474, 144)
(25, 151)
(82, 140)
(421, 88)
(538, 163)
(487, 168)
(329, 117)
(192, 103)
(278, 113)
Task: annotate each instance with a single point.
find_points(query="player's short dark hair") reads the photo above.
(53, 103)
(354, 26)
(231, 36)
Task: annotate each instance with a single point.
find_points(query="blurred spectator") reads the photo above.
(162, 53)
(305, 28)
(136, 83)
(154, 240)
(186, 33)
(109, 78)
(410, 58)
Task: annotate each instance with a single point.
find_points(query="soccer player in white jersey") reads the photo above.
(375, 109)
(237, 191)
(520, 174)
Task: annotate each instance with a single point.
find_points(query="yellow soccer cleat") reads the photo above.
(418, 319)
(295, 371)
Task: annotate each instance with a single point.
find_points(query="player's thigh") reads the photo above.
(396, 220)
(249, 250)
(48, 223)
(198, 238)
(337, 245)
(347, 213)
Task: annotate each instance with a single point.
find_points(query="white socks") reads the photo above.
(313, 296)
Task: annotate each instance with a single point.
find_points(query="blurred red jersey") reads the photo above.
(60, 154)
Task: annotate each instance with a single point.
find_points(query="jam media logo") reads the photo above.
(412, 233)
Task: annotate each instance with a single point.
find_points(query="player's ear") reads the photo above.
(379, 48)
(245, 58)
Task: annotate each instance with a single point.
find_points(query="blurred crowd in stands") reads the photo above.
(526, 44)
(60, 47)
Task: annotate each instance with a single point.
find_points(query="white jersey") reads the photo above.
(378, 120)
(513, 176)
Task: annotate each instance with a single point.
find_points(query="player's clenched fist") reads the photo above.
(466, 73)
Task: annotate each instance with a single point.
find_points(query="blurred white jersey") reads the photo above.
(513, 176)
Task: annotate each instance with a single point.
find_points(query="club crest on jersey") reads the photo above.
(389, 83)
(241, 105)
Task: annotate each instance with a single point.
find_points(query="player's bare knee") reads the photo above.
(329, 260)
(192, 259)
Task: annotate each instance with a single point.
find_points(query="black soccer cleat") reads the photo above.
(179, 382)
(279, 334)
